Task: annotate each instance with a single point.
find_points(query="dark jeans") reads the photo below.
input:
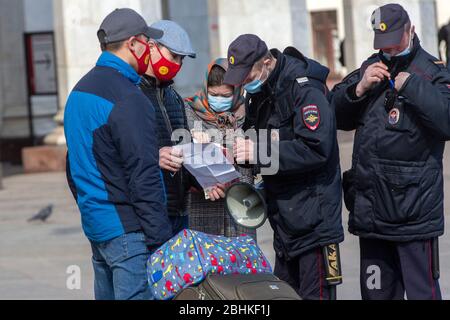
(120, 268)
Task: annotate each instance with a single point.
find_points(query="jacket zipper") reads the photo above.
(163, 109)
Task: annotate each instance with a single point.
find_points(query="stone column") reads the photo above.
(359, 34)
(273, 21)
(77, 47)
(194, 17)
(301, 27)
(13, 88)
(13, 82)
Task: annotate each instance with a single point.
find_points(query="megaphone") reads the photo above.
(246, 204)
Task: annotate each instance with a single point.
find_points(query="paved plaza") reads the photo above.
(35, 257)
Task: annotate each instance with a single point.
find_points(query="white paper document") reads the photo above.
(208, 164)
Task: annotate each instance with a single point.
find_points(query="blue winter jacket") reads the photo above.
(113, 157)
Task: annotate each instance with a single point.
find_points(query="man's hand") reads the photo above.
(244, 150)
(171, 159)
(217, 193)
(401, 79)
(374, 74)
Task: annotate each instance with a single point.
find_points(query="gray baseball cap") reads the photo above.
(124, 23)
(175, 38)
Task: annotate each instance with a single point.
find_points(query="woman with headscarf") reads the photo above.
(216, 106)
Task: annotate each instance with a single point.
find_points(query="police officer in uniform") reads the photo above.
(398, 102)
(286, 92)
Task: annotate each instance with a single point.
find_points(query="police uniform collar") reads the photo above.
(272, 81)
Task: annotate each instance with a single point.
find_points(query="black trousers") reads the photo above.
(389, 270)
(306, 274)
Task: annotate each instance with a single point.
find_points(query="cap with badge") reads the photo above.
(125, 23)
(243, 53)
(388, 23)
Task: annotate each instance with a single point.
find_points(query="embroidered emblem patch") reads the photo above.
(394, 116)
(311, 117)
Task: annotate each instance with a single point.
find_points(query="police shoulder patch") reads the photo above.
(311, 117)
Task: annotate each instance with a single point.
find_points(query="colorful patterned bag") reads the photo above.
(188, 258)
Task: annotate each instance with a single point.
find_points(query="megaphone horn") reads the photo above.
(246, 204)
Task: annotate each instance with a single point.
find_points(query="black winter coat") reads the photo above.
(394, 190)
(304, 196)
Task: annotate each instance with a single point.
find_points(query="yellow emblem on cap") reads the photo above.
(383, 26)
(232, 60)
(164, 70)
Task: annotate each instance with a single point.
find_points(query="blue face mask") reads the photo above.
(401, 54)
(404, 52)
(220, 104)
(254, 86)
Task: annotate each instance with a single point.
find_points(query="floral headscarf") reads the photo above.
(199, 103)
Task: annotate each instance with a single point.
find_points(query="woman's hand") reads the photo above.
(216, 193)
(200, 137)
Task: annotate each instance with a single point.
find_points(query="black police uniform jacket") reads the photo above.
(394, 190)
(304, 197)
(170, 116)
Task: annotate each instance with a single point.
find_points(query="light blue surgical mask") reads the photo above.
(220, 104)
(255, 86)
(404, 52)
(401, 54)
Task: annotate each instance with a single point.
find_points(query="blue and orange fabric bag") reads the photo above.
(189, 257)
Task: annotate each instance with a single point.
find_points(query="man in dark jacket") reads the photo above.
(166, 60)
(398, 102)
(287, 97)
(113, 160)
(167, 54)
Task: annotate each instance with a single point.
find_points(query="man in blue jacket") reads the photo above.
(113, 157)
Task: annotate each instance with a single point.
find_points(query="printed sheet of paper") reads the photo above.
(208, 164)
